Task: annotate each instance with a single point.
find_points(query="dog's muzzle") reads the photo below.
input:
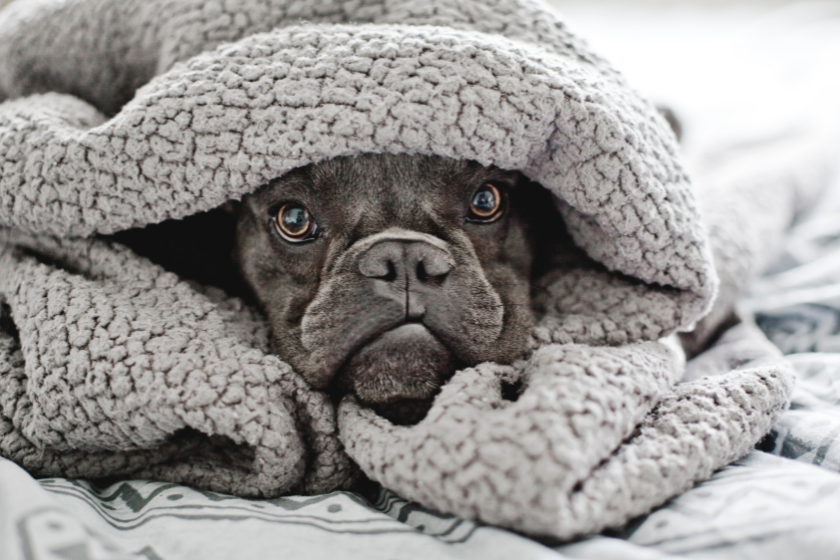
(407, 361)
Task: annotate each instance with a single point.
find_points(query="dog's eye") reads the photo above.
(486, 204)
(294, 223)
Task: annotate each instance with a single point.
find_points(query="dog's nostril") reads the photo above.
(382, 262)
(391, 275)
(387, 272)
(421, 272)
(430, 275)
(432, 264)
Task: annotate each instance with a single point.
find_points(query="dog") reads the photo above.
(383, 274)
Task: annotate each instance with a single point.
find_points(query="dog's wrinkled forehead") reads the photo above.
(361, 196)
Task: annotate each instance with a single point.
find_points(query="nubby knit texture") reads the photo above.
(121, 113)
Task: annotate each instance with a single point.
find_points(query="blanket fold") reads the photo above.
(120, 114)
(115, 356)
(599, 436)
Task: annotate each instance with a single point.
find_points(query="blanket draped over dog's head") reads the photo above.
(121, 113)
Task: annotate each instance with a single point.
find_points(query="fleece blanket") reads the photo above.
(112, 365)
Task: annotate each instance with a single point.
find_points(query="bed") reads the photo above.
(782, 500)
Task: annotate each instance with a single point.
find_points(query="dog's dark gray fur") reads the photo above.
(400, 287)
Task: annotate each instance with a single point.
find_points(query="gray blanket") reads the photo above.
(112, 365)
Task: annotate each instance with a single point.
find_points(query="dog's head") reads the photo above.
(382, 274)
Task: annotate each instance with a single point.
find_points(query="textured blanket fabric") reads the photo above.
(111, 365)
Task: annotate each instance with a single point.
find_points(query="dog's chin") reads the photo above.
(406, 412)
(399, 373)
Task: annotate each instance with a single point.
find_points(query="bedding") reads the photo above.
(782, 500)
(64, 518)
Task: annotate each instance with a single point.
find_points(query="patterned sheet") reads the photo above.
(780, 501)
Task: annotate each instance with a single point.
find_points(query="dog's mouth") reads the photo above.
(407, 412)
(398, 373)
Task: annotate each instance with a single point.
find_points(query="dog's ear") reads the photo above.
(671, 117)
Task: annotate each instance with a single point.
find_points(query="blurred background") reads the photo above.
(731, 69)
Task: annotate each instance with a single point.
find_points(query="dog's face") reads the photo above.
(383, 274)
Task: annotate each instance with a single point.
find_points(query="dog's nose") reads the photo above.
(406, 262)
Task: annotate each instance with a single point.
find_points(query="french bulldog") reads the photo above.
(381, 275)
